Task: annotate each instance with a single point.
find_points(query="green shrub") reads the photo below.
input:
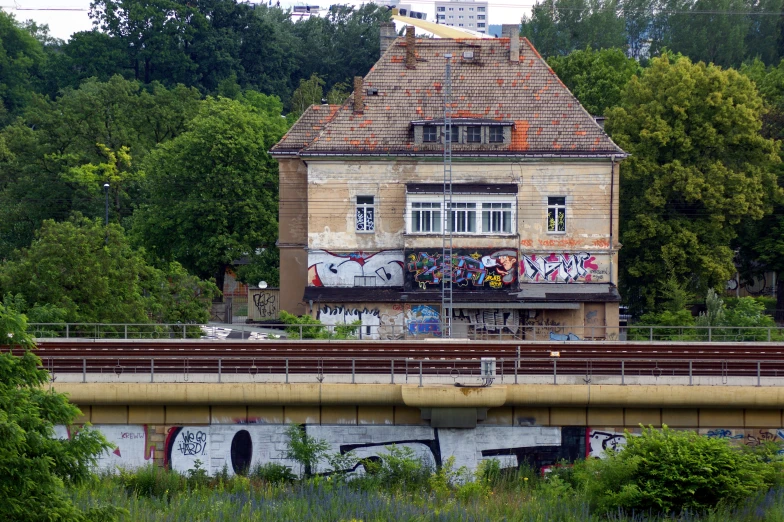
(273, 473)
(307, 451)
(401, 468)
(306, 327)
(152, 482)
(666, 471)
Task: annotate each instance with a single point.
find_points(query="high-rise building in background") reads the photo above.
(467, 14)
(404, 9)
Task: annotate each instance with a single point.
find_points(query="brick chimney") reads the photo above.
(410, 47)
(387, 35)
(359, 103)
(512, 31)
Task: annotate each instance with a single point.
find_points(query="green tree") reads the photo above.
(667, 471)
(309, 92)
(73, 134)
(596, 78)
(698, 166)
(211, 193)
(36, 466)
(81, 271)
(21, 60)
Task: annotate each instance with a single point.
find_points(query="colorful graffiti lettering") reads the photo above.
(329, 269)
(423, 320)
(492, 270)
(568, 268)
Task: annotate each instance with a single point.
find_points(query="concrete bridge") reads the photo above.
(527, 414)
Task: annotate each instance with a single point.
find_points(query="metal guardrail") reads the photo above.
(411, 330)
(216, 368)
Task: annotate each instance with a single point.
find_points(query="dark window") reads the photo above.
(496, 134)
(455, 134)
(474, 134)
(429, 133)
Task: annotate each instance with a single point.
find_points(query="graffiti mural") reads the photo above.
(489, 319)
(241, 447)
(600, 442)
(341, 315)
(562, 268)
(330, 269)
(133, 447)
(423, 320)
(476, 270)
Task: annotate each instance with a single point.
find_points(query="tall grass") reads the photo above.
(492, 495)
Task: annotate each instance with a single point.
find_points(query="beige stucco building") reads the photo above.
(533, 213)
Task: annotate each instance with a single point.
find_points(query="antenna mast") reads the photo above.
(447, 262)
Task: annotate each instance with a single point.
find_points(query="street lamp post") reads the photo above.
(106, 222)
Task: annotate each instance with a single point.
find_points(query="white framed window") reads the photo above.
(480, 17)
(468, 214)
(459, 8)
(480, 9)
(462, 217)
(497, 218)
(426, 217)
(366, 214)
(556, 214)
(480, 24)
(441, 9)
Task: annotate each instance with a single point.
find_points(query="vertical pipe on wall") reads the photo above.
(612, 197)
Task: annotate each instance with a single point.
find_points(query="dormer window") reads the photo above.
(470, 132)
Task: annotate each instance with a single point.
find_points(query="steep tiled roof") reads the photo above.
(307, 127)
(548, 119)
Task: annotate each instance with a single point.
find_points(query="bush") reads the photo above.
(306, 327)
(152, 482)
(273, 473)
(666, 471)
(401, 468)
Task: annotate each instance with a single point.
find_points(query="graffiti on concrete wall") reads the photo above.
(562, 268)
(330, 269)
(758, 285)
(602, 441)
(241, 447)
(476, 269)
(133, 447)
(423, 320)
(489, 319)
(265, 303)
(336, 315)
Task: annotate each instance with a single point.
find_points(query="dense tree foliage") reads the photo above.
(596, 78)
(35, 464)
(699, 166)
(212, 191)
(81, 271)
(724, 32)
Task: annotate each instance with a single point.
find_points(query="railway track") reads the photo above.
(435, 358)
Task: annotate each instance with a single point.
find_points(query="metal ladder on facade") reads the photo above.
(447, 262)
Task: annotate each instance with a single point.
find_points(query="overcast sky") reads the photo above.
(65, 17)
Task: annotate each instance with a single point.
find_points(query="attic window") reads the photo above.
(429, 133)
(468, 55)
(496, 134)
(372, 92)
(474, 134)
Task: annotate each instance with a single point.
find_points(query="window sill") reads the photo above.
(365, 231)
(556, 233)
(457, 234)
